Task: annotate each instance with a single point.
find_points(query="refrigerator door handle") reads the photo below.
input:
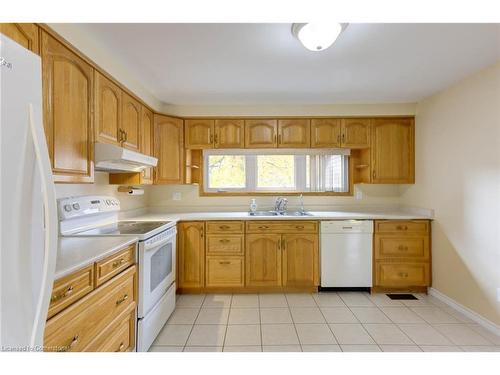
(51, 229)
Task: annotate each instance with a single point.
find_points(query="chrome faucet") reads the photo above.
(280, 205)
(302, 204)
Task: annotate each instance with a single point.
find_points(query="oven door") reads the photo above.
(156, 272)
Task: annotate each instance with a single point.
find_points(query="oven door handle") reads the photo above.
(158, 244)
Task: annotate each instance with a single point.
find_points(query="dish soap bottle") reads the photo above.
(253, 206)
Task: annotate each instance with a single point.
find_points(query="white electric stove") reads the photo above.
(95, 216)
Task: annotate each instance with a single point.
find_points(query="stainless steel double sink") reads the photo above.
(276, 213)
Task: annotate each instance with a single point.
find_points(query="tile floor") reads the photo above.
(319, 322)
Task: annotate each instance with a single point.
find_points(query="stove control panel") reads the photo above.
(72, 207)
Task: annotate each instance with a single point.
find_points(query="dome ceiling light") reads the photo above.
(317, 36)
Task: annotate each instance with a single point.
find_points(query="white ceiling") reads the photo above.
(252, 64)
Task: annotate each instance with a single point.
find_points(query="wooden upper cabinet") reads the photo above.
(263, 260)
(68, 98)
(131, 122)
(169, 149)
(393, 151)
(356, 133)
(108, 110)
(294, 133)
(191, 253)
(261, 133)
(147, 124)
(26, 34)
(199, 134)
(325, 133)
(229, 133)
(300, 260)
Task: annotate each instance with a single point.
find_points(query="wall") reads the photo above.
(458, 175)
(101, 187)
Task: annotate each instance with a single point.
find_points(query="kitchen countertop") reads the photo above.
(74, 253)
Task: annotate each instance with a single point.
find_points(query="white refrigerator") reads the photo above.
(28, 223)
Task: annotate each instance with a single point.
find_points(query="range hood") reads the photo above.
(111, 158)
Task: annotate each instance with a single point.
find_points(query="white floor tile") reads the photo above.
(351, 334)
(370, 315)
(440, 348)
(402, 315)
(470, 348)
(434, 315)
(245, 300)
(359, 299)
(495, 339)
(338, 315)
(281, 348)
(321, 348)
(424, 334)
(256, 348)
(207, 335)
(387, 334)
(300, 300)
(461, 334)
(173, 335)
(190, 300)
(400, 348)
(306, 315)
(457, 314)
(166, 348)
(183, 315)
(203, 349)
(279, 334)
(212, 316)
(328, 299)
(275, 315)
(244, 316)
(381, 299)
(272, 300)
(313, 334)
(217, 300)
(360, 348)
(243, 335)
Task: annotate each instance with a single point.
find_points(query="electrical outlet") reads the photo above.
(176, 196)
(359, 194)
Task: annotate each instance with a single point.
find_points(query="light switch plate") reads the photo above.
(176, 196)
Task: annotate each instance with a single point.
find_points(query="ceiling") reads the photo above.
(253, 64)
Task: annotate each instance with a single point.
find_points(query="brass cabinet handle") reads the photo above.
(275, 138)
(299, 227)
(216, 139)
(343, 138)
(120, 348)
(224, 240)
(121, 300)
(73, 342)
(403, 248)
(223, 227)
(64, 294)
(401, 227)
(403, 274)
(374, 174)
(224, 262)
(338, 138)
(263, 227)
(118, 262)
(279, 139)
(283, 244)
(279, 245)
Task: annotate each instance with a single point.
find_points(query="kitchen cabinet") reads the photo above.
(261, 133)
(229, 133)
(325, 133)
(356, 133)
(294, 133)
(199, 134)
(402, 255)
(147, 125)
(393, 151)
(191, 255)
(131, 122)
(169, 149)
(108, 110)
(26, 34)
(300, 259)
(68, 98)
(263, 260)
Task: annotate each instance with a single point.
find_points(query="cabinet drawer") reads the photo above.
(401, 247)
(401, 226)
(402, 274)
(291, 226)
(70, 289)
(225, 226)
(114, 264)
(117, 337)
(225, 272)
(225, 244)
(75, 327)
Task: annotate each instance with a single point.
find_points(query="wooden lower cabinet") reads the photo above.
(119, 336)
(191, 254)
(263, 260)
(224, 271)
(300, 260)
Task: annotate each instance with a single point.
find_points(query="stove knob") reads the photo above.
(67, 208)
(76, 206)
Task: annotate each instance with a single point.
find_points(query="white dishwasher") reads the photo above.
(346, 253)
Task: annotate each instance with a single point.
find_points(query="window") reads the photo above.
(276, 171)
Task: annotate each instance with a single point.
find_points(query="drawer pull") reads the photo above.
(225, 262)
(299, 227)
(118, 262)
(402, 227)
(224, 227)
(346, 227)
(403, 274)
(402, 248)
(120, 348)
(121, 300)
(263, 227)
(73, 342)
(224, 240)
(66, 293)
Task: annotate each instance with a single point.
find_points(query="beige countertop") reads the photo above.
(74, 253)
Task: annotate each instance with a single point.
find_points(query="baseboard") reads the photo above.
(479, 319)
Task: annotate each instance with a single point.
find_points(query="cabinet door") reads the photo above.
(393, 151)
(108, 108)
(356, 133)
(229, 134)
(191, 254)
(169, 149)
(68, 88)
(199, 134)
(26, 34)
(300, 260)
(325, 132)
(147, 141)
(263, 260)
(131, 122)
(261, 133)
(294, 133)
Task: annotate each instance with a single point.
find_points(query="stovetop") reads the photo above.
(139, 228)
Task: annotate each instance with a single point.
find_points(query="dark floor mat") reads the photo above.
(401, 296)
